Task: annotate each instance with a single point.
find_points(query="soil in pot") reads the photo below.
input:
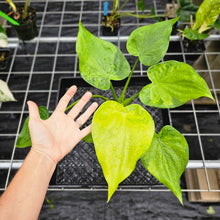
(193, 46)
(27, 30)
(4, 58)
(110, 25)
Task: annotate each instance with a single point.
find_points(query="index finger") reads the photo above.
(64, 101)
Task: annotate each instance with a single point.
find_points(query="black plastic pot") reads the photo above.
(27, 30)
(80, 168)
(4, 58)
(108, 31)
(193, 46)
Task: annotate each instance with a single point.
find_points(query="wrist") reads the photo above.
(39, 153)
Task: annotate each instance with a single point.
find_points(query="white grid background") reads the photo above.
(58, 26)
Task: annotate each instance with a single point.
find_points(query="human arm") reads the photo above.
(51, 139)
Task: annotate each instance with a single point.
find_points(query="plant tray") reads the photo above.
(80, 168)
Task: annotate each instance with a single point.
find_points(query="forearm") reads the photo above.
(24, 197)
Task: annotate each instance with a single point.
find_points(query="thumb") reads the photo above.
(33, 110)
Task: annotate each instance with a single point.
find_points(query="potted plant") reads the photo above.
(4, 49)
(111, 21)
(26, 17)
(205, 19)
(124, 133)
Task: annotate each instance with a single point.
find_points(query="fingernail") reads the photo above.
(74, 86)
(89, 93)
(95, 103)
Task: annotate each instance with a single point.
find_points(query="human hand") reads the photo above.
(58, 135)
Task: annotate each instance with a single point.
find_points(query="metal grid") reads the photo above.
(28, 78)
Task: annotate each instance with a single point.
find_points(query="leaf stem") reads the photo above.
(101, 97)
(93, 96)
(127, 82)
(191, 21)
(128, 101)
(115, 6)
(13, 7)
(113, 92)
(70, 106)
(134, 14)
(123, 5)
(24, 15)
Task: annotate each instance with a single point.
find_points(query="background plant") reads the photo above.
(122, 132)
(14, 9)
(116, 10)
(186, 10)
(206, 16)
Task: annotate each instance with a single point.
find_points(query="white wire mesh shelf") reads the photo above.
(36, 66)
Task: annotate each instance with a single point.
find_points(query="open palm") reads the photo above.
(57, 135)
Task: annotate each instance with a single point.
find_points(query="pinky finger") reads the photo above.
(87, 130)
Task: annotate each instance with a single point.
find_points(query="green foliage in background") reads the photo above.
(24, 138)
(206, 16)
(186, 9)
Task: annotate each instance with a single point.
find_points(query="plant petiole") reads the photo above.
(101, 97)
(127, 82)
(129, 100)
(123, 5)
(11, 3)
(24, 15)
(115, 6)
(113, 92)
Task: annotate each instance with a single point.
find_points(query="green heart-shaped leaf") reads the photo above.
(167, 158)
(99, 61)
(24, 138)
(121, 135)
(150, 42)
(173, 84)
